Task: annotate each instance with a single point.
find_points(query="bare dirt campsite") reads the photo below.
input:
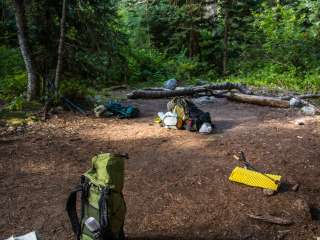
(176, 182)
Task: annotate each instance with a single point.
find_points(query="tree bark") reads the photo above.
(189, 91)
(60, 48)
(225, 38)
(258, 100)
(25, 51)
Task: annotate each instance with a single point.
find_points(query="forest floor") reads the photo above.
(176, 184)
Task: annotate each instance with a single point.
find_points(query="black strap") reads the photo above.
(103, 211)
(72, 210)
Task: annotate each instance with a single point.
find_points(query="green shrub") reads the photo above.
(147, 65)
(275, 76)
(13, 79)
(75, 89)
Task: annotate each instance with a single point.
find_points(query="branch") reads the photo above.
(271, 219)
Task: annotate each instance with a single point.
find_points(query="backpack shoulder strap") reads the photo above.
(71, 208)
(103, 208)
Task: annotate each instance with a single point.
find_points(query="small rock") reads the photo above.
(204, 100)
(99, 110)
(295, 187)
(170, 84)
(309, 110)
(282, 234)
(295, 102)
(19, 129)
(302, 209)
(268, 192)
(11, 129)
(300, 121)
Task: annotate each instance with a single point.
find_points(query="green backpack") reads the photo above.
(101, 198)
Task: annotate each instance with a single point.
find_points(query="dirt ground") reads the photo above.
(176, 184)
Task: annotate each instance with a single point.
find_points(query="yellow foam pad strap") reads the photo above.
(255, 179)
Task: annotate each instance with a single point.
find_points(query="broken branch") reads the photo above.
(271, 219)
(305, 96)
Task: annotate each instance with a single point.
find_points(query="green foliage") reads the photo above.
(146, 65)
(289, 41)
(99, 45)
(274, 43)
(16, 104)
(273, 76)
(183, 68)
(75, 89)
(12, 76)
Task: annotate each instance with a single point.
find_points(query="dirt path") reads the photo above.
(177, 183)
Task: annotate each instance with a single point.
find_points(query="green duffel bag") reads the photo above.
(101, 200)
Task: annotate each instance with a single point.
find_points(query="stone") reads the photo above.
(295, 103)
(309, 110)
(19, 129)
(300, 123)
(295, 187)
(99, 110)
(171, 84)
(281, 234)
(204, 100)
(268, 192)
(11, 129)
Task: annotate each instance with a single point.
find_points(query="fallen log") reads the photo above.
(258, 100)
(304, 96)
(188, 91)
(271, 219)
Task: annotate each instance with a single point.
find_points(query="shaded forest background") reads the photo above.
(269, 43)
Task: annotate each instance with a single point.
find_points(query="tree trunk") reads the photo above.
(258, 100)
(189, 91)
(60, 48)
(25, 51)
(225, 38)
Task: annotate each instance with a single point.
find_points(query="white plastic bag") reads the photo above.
(205, 128)
(170, 120)
(28, 236)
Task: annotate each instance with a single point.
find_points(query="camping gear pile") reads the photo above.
(113, 108)
(184, 114)
(102, 204)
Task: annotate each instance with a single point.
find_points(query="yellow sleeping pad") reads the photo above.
(255, 179)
